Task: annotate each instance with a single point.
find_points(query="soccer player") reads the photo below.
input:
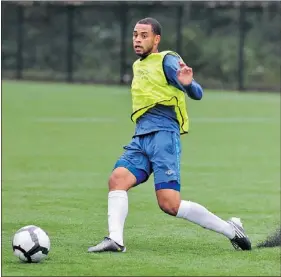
(161, 81)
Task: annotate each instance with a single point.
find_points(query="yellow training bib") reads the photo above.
(150, 87)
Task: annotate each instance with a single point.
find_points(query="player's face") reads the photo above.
(144, 40)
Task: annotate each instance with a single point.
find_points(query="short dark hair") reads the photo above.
(155, 25)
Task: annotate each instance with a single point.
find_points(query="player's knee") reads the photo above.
(169, 207)
(121, 179)
(168, 200)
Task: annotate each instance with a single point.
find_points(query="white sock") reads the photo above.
(200, 215)
(117, 213)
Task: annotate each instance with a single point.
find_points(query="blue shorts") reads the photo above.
(158, 153)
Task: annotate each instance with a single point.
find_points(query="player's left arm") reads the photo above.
(179, 76)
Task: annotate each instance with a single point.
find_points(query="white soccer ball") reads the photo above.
(31, 244)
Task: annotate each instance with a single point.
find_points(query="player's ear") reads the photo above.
(157, 39)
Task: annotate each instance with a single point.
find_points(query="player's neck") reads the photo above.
(152, 52)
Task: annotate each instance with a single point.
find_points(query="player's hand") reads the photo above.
(185, 74)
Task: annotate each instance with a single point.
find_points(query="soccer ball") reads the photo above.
(31, 244)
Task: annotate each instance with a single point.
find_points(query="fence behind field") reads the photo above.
(229, 45)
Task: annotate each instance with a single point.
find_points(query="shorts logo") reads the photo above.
(170, 172)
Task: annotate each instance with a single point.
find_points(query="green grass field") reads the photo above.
(60, 143)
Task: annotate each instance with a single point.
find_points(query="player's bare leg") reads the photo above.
(120, 181)
(170, 202)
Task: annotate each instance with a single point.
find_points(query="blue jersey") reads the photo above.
(163, 117)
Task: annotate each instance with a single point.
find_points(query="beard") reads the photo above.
(145, 53)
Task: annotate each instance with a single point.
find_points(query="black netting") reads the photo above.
(228, 45)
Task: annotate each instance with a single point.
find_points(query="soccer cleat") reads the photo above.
(107, 245)
(241, 240)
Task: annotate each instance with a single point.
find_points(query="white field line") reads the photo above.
(75, 119)
(195, 119)
(234, 120)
